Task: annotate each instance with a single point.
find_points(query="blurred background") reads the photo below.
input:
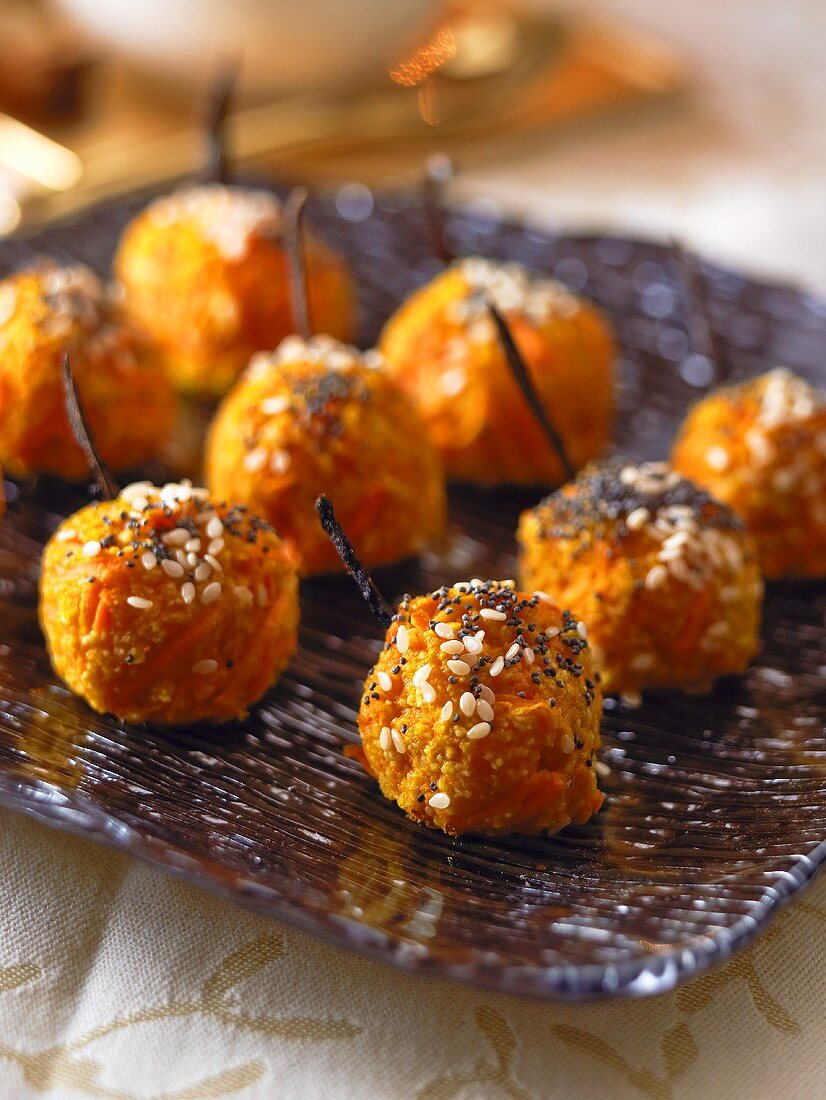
(653, 117)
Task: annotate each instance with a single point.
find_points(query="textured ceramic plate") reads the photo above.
(716, 809)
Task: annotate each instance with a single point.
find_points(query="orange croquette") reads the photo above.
(760, 446)
(665, 577)
(204, 273)
(164, 606)
(318, 417)
(482, 712)
(45, 313)
(442, 348)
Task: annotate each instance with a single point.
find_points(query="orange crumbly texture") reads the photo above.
(204, 273)
(46, 312)
(316, 417)
(482, 713)
(164, 606)
(442, 348)
(760, 446)
(665, 577)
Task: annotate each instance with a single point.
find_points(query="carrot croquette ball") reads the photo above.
(45, 313)
(317, 416)
(665, 577)
(760, 446)
(165, 606)
(204, 273)
(443, 349)
(482, 712)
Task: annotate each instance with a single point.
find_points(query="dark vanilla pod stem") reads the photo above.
(105, 484)
(217, 165)
(701, 331)
(344, 548)
(297, 260)
(520, 372)
(439, 170)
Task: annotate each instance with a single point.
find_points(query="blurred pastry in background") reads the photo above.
(204, 274)
(46, 312)
(442, 348)
(760, 446)
(317, 416)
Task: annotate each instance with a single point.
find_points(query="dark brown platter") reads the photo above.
(716, 807)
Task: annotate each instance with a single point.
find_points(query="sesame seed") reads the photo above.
(467, 703)
(582, 628)
(216, 546)
(191, 559)
(486, 693)
(455, 647)
(384, 738)
(398, 741)
(66, 534)
(447, 711)
(201, 668)
(679, 538)
(280, 462)
(172, 568)
(656, 576)
(385, 681)
(271, 406)
(403, 639)
(91, 548)
(148, 560)
(421, 674)
(492, 613)
(188, 592)
(439, 801)
(528, 655)
(514, 649)
(717, 457)
(477, 732)
(484, 710)
(428, 692)
(176, 537)
(459, 668)
(211, 593)
(473, 645)
(255, 460)
(243, 593)
(203, 572)
(215, 528)
(566, 743)
(193, 546)
(139, 601)
(637, 519)
(444, 630)
(213, 561)
(497, 666)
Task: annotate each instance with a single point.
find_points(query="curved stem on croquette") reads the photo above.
(516, 363)
(344, 548)
(439, 170)
(297, 260)
(107, 487)
(219, 100)
(701, 331)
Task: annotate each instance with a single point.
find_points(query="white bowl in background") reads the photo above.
(284, 45)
